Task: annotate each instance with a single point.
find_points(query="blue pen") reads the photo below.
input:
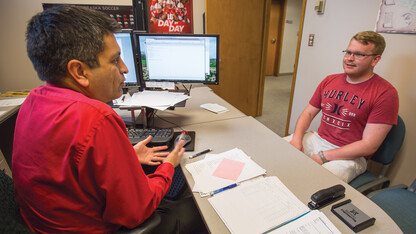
(223, 189)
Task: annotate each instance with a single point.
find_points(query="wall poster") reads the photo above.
(397, 16)
(122, 14)
(170, 16)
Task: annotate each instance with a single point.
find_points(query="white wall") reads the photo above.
(16, 70)
(290, 36)
(333, 30)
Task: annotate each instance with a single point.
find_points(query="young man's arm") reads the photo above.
(303, 123)
(373, 136)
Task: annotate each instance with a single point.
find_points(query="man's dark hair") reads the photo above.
(60, 34)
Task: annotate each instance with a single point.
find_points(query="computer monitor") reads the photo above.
(126, 43)
(178, 58)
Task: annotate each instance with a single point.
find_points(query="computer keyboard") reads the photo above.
(160, 136)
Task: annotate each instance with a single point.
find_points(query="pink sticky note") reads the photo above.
(229, 169)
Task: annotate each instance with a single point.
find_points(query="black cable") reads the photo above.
(176, 126)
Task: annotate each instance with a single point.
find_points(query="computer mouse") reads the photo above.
(183, 136)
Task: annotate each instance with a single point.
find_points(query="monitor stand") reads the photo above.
(133, 116)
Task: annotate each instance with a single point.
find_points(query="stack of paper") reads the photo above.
(265, 204)
(11, 101)
(160, 100)
(214, 108)
(162, 85)
(221, 170)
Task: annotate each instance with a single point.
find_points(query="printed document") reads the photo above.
(209, 174)
(314, 222)
(257, 206)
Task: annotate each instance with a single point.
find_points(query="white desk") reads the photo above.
(299, 173)
(192, 113)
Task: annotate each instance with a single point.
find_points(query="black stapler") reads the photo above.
(326, 196)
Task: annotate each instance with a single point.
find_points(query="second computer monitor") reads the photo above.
(179, 58)
(125, 42)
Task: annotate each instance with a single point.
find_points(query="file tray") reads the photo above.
(353, 217)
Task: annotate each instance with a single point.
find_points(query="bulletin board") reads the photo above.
(397, 16)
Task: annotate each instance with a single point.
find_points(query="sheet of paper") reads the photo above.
(257, 205)
(2, 112)
(229, 169)
(314, 222)
(160, 100)
(202, 171)
(12, 101)
(214, 108)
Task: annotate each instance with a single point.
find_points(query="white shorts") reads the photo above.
(346, 170)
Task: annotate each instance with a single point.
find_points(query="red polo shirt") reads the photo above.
(74, 168)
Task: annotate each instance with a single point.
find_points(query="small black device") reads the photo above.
(141, 15)
(183, 136)
(160, 136)
(353, 217)
(326, 196)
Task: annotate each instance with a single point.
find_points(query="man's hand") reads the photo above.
(317, 159)
(150, 156)
(175, 156)
(297, 144)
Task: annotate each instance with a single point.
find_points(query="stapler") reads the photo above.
(326, 196)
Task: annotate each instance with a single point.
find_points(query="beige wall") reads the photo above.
(333, 30)
(16, 70)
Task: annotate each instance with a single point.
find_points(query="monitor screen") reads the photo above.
(125, 41)
(179, 58)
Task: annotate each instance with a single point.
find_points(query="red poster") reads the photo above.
(170, 16)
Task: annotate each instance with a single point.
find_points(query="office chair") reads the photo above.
(10, 219)
(384, 155)
(399, 203)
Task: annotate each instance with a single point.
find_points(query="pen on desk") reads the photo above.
(223, 189)
(122, 99)
(200, 153)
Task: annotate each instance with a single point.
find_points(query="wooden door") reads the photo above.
(241, 26)
(275, 38)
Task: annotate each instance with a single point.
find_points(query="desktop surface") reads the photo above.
(300, 174)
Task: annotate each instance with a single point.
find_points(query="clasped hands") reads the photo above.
(299, 146)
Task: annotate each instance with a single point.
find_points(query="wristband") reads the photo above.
(321, 155)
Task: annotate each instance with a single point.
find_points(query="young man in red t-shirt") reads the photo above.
(358, 110)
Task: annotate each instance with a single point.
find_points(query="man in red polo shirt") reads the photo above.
(74, 168)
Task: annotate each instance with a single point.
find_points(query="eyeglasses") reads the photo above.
(348, 53)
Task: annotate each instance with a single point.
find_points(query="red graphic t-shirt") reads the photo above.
(347, 108)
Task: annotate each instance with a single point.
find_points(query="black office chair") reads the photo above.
(384, 155)
(10, 219)
(147, 227)
(399, 203)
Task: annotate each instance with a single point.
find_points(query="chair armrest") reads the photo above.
(412, 187)
(146, 227)
(378, 181)
(399, 186)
